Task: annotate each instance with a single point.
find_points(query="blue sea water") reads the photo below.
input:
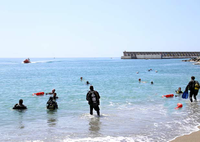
(130, 111)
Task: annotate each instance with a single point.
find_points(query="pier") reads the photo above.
(159, 55)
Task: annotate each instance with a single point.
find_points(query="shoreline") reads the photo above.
(192, 137)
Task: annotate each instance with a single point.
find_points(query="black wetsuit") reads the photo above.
(93, 100)
(17, 106)
(51, 104)
(193, 91)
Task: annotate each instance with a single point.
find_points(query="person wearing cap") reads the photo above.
(193, 86)
(20, 105)
(93, 100)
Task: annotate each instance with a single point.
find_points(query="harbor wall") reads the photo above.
(159, 55)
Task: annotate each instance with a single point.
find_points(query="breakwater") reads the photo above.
(159, 55)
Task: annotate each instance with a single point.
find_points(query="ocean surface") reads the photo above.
(130, 111)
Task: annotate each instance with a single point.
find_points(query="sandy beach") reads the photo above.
(193, 137)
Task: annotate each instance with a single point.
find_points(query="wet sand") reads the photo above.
(193, 137)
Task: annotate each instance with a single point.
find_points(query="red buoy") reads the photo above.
(179, 105)
(39, 93)
(168, 96)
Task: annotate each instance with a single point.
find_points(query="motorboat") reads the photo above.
(27, 61)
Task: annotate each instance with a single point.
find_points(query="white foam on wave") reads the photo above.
(109, 139)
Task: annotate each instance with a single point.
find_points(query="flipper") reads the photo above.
(185, 95)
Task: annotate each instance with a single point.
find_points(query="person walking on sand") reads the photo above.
(93, 100)
(193, 86)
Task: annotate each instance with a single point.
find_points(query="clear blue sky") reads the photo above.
(97, 28)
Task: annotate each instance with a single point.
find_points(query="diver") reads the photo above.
(93, 100)
(179, 91)
(20, 105)
(52, 104)
(193, 86)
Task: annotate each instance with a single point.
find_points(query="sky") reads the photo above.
(97, 28)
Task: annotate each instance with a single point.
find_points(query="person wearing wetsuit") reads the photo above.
(193, 86)
(51, 104)
(20, 105)
(93, 100)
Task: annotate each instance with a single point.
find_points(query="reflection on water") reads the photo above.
(52, 118)
(20, 117)
(94, 125)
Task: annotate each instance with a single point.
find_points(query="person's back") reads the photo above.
(51, 104)
(193, 86)
(20, 105)
(93, 100)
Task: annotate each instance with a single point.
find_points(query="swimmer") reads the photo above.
(139, 80)
(151, 82)
(137, 72)
(81, 78)
(179, 91)
(87, 82)
(20, 105)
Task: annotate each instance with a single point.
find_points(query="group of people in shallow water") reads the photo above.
(193, 86)
(51, 103)
(92, 97)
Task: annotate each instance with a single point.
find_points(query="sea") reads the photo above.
(130, 111)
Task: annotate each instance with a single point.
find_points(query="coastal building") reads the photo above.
(159, 55)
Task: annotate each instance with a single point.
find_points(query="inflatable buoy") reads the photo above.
(38, 94)
(179, 105)
(168, 96)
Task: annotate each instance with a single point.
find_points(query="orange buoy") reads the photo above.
(168, 96)
(179, 105)
(39, 93)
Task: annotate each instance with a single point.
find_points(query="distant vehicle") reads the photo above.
(27, 61)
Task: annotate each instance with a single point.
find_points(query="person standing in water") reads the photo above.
(93, 100)
(193, 86)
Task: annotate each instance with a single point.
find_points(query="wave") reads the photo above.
(109, 139)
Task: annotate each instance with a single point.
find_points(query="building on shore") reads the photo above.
(159, 55)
